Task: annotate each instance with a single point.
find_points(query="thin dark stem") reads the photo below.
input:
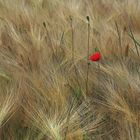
(134, 41)
(73, 61)
(51, 45)
(72, 34)
(88, 64)
(119, 35)
(73, 52)
(50, 41)
(87, 78)
(30, 65)
(61, 40)
(137, 43)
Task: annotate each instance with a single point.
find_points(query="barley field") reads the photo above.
(69, 69)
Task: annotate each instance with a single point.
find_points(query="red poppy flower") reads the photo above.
(95, 56)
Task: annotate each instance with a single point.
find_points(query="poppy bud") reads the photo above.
(95, 57)
(88, 18)
(44, 24)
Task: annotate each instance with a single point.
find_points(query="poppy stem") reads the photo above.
(88, 64)
(98, 74)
